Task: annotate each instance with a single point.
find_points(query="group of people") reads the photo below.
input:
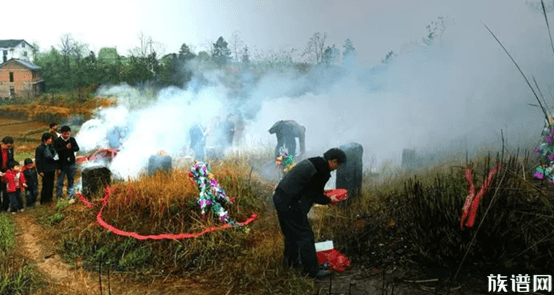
(222, 133)
(54, 156)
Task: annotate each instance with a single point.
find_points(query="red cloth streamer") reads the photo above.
(85, 201)
(160, 236)
(469, 212)
(337, 261)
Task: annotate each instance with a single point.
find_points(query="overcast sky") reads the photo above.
(374, 26)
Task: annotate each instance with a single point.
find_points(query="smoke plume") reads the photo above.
(458, 92)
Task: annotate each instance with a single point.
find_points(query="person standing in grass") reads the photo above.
(31, 182)
(13, 179)
(293, 199)
(6, 149)
(46, 163)
(66, 146)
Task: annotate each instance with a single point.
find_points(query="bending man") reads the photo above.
(293, 199)
(287, 131)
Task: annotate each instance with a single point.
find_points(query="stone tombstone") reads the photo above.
(94, 180)
(159, 162)
(349, 175)
(409, 159)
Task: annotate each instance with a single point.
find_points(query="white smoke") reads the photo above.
(462, 88)
(160, 126)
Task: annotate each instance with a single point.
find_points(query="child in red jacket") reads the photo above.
(14, 182)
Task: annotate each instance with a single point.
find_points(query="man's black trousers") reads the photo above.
(299, 240)
(47, 187)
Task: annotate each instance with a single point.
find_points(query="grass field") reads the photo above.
(401, 218)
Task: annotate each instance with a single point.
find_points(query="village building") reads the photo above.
(19, 49)
(21, 78)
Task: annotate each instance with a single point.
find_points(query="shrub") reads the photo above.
(56, 218)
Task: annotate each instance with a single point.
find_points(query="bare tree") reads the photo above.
(315, 47)
(208, 45)
(236, 44)
(71, 47)
(147, 47)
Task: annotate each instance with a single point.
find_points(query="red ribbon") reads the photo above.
(469, 211)
(137, 236)
(85, 201)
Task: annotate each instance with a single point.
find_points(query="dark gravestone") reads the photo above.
(409, 159)
(157, 162)
(349, 175)
(94, 180)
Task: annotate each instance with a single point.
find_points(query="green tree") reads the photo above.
(108, 56)
(174, 69)
(330, 55)
(109, 63)
(72, 52)
(220, 53)
(348, 53)
(185, 53)
(245, 59)
(51, 64)
(169, 70)
(139, 70)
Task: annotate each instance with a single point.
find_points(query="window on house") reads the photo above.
(11, 76)
(23, 44)
(25, 53)
(12, 91)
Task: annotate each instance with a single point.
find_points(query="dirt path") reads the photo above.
(62, 278)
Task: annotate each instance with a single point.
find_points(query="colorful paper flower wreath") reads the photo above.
(285, 161)
(546, 151)
(211, 196)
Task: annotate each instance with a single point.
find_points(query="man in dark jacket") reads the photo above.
(287, 131)
(293, 199)
(45, 159)
(6, 147)
(66, 146)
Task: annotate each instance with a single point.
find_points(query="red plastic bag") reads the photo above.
(341, 193)
(335, 260)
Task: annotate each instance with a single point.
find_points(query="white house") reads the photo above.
(19, 49)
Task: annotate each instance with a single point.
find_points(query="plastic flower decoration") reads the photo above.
(211, 195)
(546, 151)
(285, 161)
